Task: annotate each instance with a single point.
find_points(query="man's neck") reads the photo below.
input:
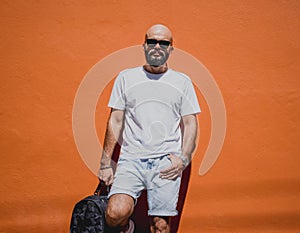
(156, 69)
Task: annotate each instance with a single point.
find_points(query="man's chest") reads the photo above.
(153, 94)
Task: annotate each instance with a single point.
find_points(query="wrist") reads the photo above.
(104, 167)
(105, 161)
(185, 160)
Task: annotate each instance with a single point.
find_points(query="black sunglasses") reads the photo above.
(162, 43)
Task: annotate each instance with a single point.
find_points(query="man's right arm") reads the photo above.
(112, 135)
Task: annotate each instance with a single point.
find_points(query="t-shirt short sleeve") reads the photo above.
(117, 97)
(189, 103)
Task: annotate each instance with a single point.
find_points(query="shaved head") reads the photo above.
(159, 31)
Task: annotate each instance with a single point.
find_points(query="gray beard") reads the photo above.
(156, 62)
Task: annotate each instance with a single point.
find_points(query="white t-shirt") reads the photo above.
(153, 105)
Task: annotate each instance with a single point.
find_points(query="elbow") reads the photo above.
(115, 123)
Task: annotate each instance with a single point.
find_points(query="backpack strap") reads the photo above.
(102, 189)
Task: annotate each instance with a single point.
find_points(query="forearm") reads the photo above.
(112, 135)
(189, 137)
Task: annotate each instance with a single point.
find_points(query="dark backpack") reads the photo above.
(88, 215)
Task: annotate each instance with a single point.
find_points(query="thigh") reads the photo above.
(163, 194)
(127, 179)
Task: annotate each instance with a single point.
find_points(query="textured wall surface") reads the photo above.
(250, 47)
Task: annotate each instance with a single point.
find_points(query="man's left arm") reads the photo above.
(190, 127)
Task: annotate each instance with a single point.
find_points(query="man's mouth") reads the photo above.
(156, 54)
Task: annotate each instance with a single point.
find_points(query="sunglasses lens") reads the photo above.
(151, 42)
(162, 43)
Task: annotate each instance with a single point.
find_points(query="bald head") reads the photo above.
(159, 32)
(157, 48)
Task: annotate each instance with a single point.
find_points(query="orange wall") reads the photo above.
(250, 47)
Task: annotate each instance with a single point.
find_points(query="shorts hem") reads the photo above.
(131, 194)
(162, 213)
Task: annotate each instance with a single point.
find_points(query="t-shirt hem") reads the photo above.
(116, 107)
(145, 156)
(190, 113)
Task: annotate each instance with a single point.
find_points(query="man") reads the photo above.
(154, 116)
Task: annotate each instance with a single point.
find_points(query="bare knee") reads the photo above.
(119, 209)
(160, 225)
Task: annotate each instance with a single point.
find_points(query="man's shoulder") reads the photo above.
(180, 75)
(131, 70)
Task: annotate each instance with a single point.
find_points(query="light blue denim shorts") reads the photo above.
(133, 175)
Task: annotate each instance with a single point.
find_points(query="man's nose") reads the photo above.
(157, 45)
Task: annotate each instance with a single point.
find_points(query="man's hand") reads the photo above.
(106, 175)
(174, 170)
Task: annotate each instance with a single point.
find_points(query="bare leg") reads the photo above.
(119, 209)
(160, 225)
